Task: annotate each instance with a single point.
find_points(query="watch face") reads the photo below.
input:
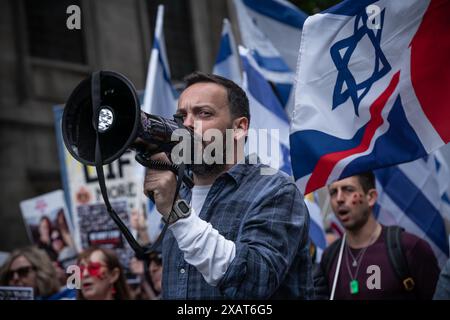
(183, 207)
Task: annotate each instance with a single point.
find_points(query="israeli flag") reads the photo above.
(270, 63)
(412, 196)
(227, 61)
(371, 89)
(443, 177)
(160, 98)
(316, 229)
(281, 22)
(267, 117)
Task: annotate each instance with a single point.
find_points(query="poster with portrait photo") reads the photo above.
(49, 226)
(96, 228)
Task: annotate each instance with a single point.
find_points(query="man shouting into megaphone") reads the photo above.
(238, 234)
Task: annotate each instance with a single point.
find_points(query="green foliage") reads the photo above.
(314, 6)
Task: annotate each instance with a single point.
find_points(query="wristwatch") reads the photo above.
(180, 210)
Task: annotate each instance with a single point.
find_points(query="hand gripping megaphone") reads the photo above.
(102, 119)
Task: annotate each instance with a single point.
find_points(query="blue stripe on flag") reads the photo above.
(275, 64)
(409, 198)
(437, 163)
(400, 142)
(278, 11)
(286, 167)
(259, 88)
(283, 91)
(376, 210)
(306, 154)
(316, 235)
(445, 198)
(157, 46)
(225, 49)
(349, 7)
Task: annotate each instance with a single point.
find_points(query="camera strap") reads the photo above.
(141, 251)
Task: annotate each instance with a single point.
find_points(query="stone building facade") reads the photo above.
(41, 61)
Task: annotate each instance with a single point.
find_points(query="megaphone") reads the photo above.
(102, 119)
(121, 123)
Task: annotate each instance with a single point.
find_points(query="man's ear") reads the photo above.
(372, 197)
(240, 126)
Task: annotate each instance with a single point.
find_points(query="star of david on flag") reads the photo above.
(342, 52)
(368, 96)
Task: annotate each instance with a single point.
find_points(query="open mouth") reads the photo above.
(87, 285)
(343, 214)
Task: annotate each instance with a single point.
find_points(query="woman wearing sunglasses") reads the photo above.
(102, 276)
(31, 267)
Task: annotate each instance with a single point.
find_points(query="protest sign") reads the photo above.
(16, 293)
(49, 226)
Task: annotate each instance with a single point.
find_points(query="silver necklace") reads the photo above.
(354, 285)
(361, 252)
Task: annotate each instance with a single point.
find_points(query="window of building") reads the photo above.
(48, 36)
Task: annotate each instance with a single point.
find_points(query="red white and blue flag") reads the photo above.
(373, 88)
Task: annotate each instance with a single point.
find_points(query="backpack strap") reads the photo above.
(398, 258)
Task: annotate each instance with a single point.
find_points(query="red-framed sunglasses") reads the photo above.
(93, 268)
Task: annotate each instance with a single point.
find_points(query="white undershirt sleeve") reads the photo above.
(204, 247)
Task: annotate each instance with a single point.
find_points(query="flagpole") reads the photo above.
(152, 65)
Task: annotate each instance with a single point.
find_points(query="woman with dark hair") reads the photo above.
(102, 276)
(44, 242)
(44, 229)
(63, 228)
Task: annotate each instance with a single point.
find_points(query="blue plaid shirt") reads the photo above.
(266, 218)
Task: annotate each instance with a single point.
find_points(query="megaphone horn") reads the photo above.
(102, 119)
(121, 123)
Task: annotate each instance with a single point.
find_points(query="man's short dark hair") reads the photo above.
(237, 99)
(367, 180)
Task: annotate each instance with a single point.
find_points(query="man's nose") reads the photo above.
(340, 196)
(189, 121)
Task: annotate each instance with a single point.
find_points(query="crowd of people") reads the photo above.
(102, 276)
(46, 268)
(239, 234)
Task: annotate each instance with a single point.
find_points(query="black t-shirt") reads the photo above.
(376, 277)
